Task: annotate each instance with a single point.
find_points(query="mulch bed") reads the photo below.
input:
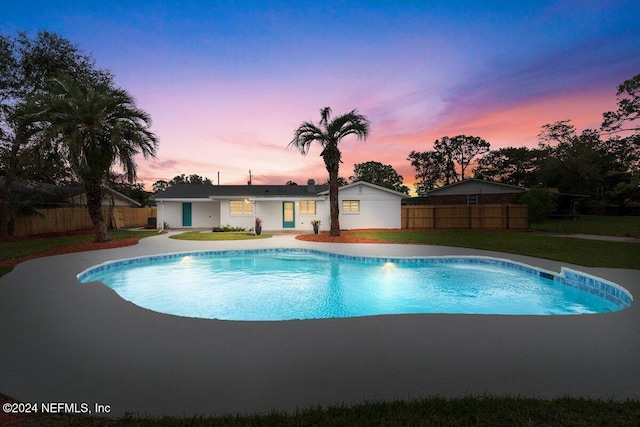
(80, 232)
(344, 237)
(75, 247)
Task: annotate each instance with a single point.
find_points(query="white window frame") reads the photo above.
(245, 208)
(304, 207)
(351, 206)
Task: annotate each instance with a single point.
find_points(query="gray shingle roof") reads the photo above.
(200, 191)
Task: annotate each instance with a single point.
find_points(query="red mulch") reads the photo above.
(75, 247)
(344, 237)
(81, 232)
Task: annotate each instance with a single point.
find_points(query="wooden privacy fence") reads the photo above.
(61, 220)
(471, 217)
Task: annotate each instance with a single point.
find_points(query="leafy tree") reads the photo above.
(134, 190)
(449, 155)
(429, 170)
(96, 127)
(160, 186)
(328, 133)
(27, 67)
(458, 152)
(580, 163)
(540, 204)
(627, 116)
(626, 191)
(626, 121)
(379, 174)
(191, 179)
(291, 183)
(510, 165)
(341, 182)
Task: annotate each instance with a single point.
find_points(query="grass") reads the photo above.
(603, 225)
(434, 411)
(214, 237)
(590, 253)
(21, 248)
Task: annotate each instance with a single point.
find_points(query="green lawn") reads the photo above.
(435, 411)
(590, 253)
(227, 235)
(21, 248)
(594, 224)
(490, 411)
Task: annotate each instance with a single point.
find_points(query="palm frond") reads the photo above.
(101, 126)
(305, 135)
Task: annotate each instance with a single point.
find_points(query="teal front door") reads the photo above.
(288, 215)
(186, 214)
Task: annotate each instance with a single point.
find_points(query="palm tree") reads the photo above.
(328, 133)
(97, 127)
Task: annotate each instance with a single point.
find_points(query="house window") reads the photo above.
(307, 207)
(240, 207)
(351, 206)
(472, 199)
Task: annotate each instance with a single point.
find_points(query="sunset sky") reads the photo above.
(227, 82)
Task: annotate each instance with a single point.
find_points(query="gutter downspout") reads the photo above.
(255, 206)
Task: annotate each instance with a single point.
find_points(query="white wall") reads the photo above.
(378, 208)
(271, 215)
(204, 214)
(226, 218)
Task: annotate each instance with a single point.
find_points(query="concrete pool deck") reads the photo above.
(67, 342)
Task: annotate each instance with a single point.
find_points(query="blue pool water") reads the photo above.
(301, 284)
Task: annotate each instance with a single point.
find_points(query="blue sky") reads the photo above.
(227, 82)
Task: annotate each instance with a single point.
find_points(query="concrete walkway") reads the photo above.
(600, 237)
(63, 341)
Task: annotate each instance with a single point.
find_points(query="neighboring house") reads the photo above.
(280, 207)
(470, 192)
(111, 198)
(50, 195)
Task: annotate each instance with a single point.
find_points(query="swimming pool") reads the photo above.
(285, 284)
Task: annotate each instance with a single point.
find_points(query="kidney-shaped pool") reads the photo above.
(285, 284)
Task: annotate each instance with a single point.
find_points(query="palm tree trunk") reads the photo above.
(333, 202)
(4, 207)
(94, 204)
(12, 170)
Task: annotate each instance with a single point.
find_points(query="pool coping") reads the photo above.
(81, 343)
(600, 287)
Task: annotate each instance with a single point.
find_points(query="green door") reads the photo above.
(288, 215)
(186, 214)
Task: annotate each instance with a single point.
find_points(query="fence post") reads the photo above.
(506, 215)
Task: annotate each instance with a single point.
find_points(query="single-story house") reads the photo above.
(471, 192)
(280, 207)
(49, 195)
(78, 197)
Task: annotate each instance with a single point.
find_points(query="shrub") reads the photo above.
(540, 204)
(227, 228)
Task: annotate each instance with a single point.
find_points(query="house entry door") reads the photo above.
(186, 214)
(288, 215)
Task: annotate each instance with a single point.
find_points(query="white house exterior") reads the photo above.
(365, 205)
(280, 207)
